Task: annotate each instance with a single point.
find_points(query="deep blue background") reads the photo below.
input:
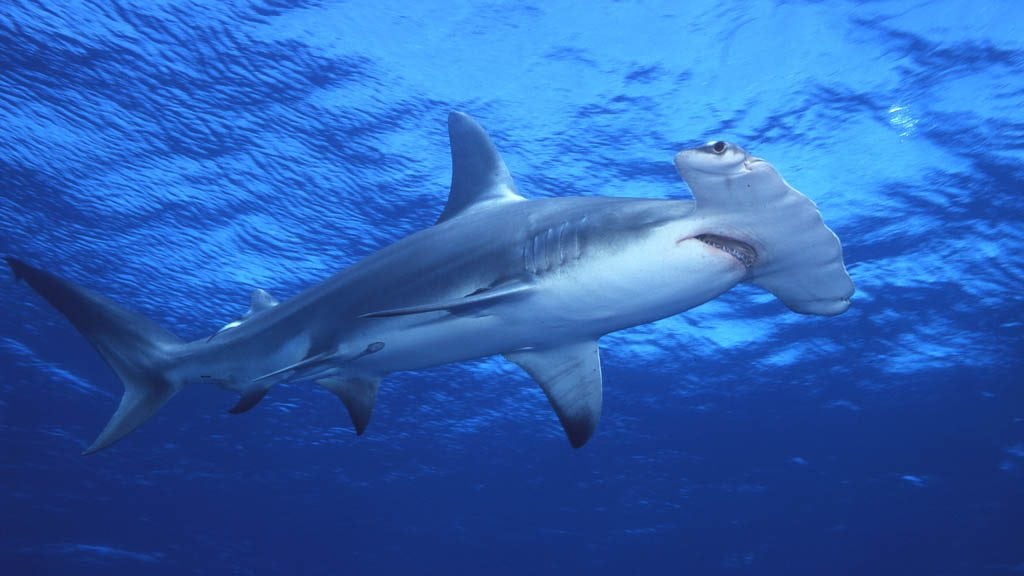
(176, 155)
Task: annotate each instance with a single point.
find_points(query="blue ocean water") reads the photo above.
(177, 154)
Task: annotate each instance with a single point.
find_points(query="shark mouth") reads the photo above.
(738, 250)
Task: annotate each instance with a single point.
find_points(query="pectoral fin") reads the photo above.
(301, 366)
(319, 364)
(571, 378)
(480, 299)
(358, 393)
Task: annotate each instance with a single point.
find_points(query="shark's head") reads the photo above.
(746, 209)
(721, 162)
(715, 158)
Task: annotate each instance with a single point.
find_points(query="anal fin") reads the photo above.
(248, 400)
(570, 376)
(358, 393)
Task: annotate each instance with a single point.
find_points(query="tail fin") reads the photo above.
(138, 350)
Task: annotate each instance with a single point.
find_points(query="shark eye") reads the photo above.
(718, 147)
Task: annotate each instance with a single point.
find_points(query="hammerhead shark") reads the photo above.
(537, 281)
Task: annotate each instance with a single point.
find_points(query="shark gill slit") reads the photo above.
(553, 248)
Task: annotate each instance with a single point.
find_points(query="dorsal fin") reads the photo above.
(259, 301)
(479, 175)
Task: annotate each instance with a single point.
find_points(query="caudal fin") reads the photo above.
(139, 351)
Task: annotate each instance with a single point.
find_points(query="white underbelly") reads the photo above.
(632, 287)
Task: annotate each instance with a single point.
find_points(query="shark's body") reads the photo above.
(538, 281)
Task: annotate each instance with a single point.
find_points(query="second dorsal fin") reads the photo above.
(479, 175)
(259, 301)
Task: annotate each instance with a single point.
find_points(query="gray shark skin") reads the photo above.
(536, 281)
